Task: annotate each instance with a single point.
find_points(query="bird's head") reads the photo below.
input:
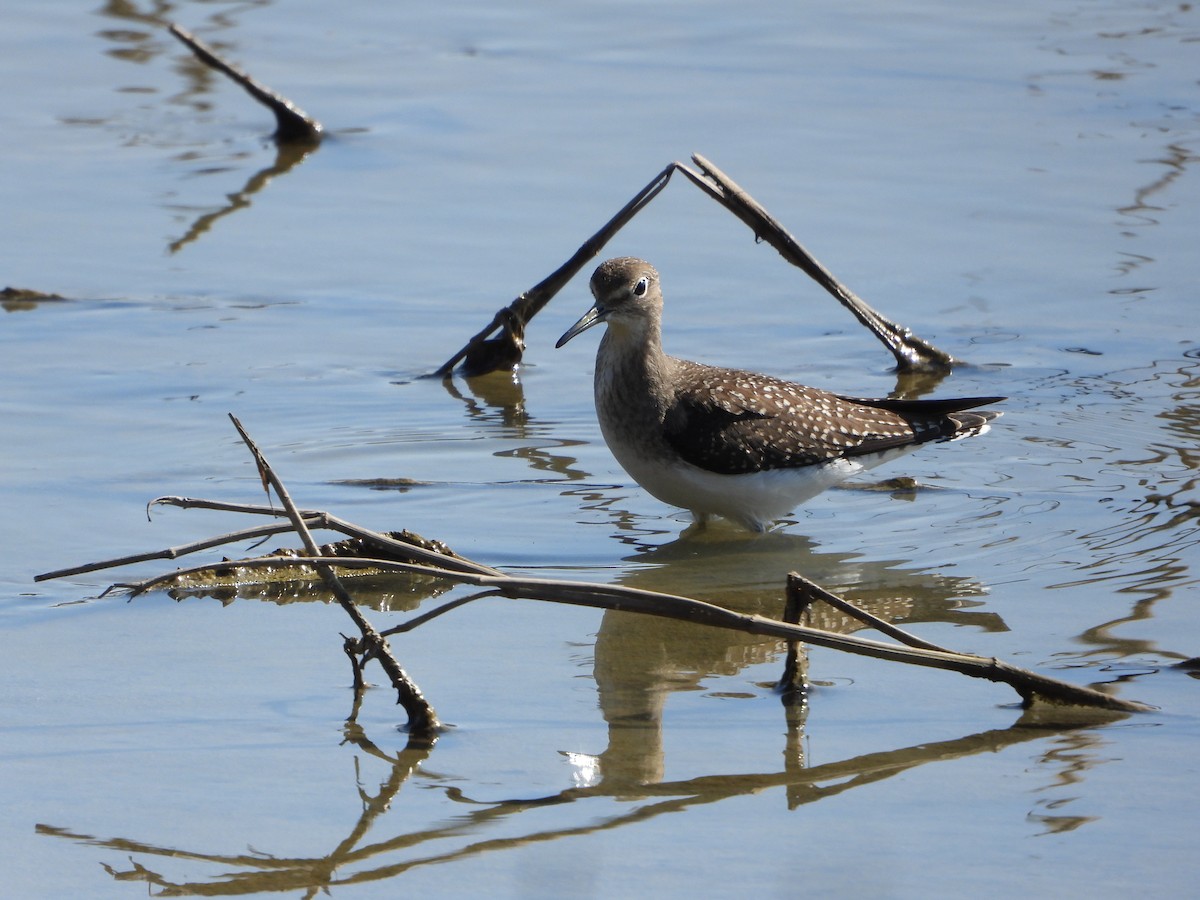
(627, 295)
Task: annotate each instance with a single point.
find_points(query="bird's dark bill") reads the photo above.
(593, 316)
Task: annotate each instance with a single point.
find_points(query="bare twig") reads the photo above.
(422, 720)
(418, 621)
(444, 565)
(293, 123)
(411, 549)
(175, 552)
(1029, 685)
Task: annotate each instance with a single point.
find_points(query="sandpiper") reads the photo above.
(725, 442)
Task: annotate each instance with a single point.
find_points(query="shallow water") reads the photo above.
(1013, 183)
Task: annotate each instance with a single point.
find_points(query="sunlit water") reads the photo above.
(1013, 182)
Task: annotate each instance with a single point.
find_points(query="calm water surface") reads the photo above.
(1015, 183)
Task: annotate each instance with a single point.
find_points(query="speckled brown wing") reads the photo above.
(733, 422)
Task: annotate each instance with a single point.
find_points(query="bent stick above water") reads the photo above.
(913, 354)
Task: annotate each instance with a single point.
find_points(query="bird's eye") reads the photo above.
(639, 289)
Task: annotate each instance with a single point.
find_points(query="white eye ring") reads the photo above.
(643, 284)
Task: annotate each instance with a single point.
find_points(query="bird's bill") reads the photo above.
(593, 316)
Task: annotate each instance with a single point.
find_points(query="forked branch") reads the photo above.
(373, 645)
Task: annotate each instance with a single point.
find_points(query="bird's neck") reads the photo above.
(633, 377)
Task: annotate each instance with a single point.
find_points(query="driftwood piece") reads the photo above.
(483, 353)
(436, 563)
(1030, 685)
(293, 125)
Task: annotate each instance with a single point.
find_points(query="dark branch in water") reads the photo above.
(521, 311)
(294, 125)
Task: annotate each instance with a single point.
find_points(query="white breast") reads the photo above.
(754, 499)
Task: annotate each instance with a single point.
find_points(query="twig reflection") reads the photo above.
(287, 157)
(367, 862)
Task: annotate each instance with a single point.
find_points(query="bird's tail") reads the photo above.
(942, 419)
(969, 424)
